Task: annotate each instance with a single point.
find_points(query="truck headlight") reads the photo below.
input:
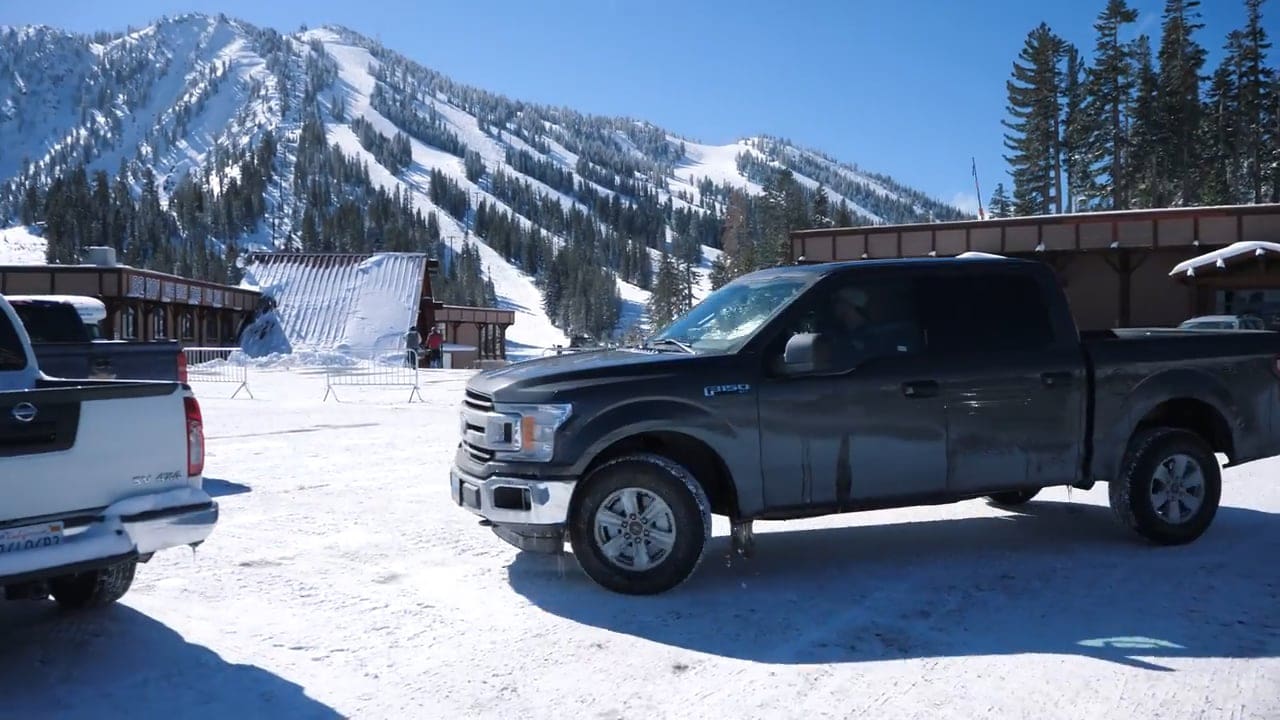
(531, 432)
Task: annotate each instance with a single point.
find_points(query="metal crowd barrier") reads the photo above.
(212, 365)
(372, 375)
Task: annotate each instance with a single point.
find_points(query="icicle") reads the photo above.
(1220, 263)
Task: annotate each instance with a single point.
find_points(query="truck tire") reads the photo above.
(640, 525)
(1013, 498)
(96, 588)
(1169, 486)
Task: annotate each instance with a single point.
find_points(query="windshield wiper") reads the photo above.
(669, 341)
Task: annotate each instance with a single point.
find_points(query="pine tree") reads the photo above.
(1110, 87)
(1218, 136)
(1142, 171)
(821, 209)
(1034, 106)
(663, 300)
(1256, 95)
(1181, 60)
(1076, 128)
(1000, 206)
(719, 275)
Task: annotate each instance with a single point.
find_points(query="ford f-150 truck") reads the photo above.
(95, 477)
(829, 388)
(66, 347)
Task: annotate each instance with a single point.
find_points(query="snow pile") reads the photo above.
(265, 336)
(19, 245)
(1218, 258)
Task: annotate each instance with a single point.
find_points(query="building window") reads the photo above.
(129, 324)
(159, 323)
(187, 325)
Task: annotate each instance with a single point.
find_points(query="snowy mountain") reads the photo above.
(191, 140)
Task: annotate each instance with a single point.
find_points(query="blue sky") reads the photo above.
(912, 88)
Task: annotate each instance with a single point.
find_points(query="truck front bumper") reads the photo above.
(132, 528)
(529, 514)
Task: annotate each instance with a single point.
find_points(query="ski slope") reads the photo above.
(341, 581)
(20, 246)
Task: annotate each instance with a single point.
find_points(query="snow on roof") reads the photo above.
(358, 304)
(1218, 258)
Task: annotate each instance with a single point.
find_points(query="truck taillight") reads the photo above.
(182, 367)
(195, 438)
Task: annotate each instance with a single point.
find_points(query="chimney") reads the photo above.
(101, 256)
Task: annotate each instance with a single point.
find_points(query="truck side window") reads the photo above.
(986, 312)
(863, 318)
(12, 354)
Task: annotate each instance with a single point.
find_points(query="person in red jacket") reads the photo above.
(434, 342)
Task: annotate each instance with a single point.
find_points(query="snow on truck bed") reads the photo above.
(341, 581)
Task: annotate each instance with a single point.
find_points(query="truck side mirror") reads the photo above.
(806, 353)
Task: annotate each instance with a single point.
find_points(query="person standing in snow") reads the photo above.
(413, 346)
(435, 341)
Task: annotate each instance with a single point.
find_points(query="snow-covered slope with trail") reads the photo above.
(174, 97)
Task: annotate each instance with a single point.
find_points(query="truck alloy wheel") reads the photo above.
(1169, 488)
(640, 524)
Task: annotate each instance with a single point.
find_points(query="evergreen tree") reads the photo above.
(1181, 60)
(1000, 206)
(1110, 88)
(1076, 128)
(1033, 140)
(1256, 97)
(1219, 133)
(1142, 171)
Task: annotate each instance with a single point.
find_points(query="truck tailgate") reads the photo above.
(87, 446)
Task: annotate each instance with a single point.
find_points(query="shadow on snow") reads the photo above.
(1058, 578)
(118, 662)
(223, 488)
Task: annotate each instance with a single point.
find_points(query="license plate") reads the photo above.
(30, 537)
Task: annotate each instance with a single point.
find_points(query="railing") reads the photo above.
(213, 365)
(375, 374)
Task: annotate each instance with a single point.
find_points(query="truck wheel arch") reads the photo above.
(1192, 414)
(706, 465)
(1182, 399)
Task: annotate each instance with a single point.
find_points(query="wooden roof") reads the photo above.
(1208, 227)
(122, 282)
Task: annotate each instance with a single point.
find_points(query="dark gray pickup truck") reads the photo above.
(817, 389)
(66, 348)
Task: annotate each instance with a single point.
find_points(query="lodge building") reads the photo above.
(1117, 268)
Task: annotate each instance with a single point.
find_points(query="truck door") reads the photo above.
(871, 427)
(1012, 384)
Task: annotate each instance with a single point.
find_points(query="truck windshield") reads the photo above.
(728, 317)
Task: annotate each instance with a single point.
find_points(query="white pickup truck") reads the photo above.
(95, 477)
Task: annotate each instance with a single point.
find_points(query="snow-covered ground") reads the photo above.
(341, 581)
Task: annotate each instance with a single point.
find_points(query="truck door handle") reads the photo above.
(920, 389)
(1056, 379)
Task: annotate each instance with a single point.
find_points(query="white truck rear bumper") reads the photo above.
(137, 526)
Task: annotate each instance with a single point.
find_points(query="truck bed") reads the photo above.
(1211, 376)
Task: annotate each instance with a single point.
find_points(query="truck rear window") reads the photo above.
(51, 322)
(12, 354)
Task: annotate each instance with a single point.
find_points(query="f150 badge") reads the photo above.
(737, 389)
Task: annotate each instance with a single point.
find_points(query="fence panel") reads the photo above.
(213, 365)
(371, 375)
